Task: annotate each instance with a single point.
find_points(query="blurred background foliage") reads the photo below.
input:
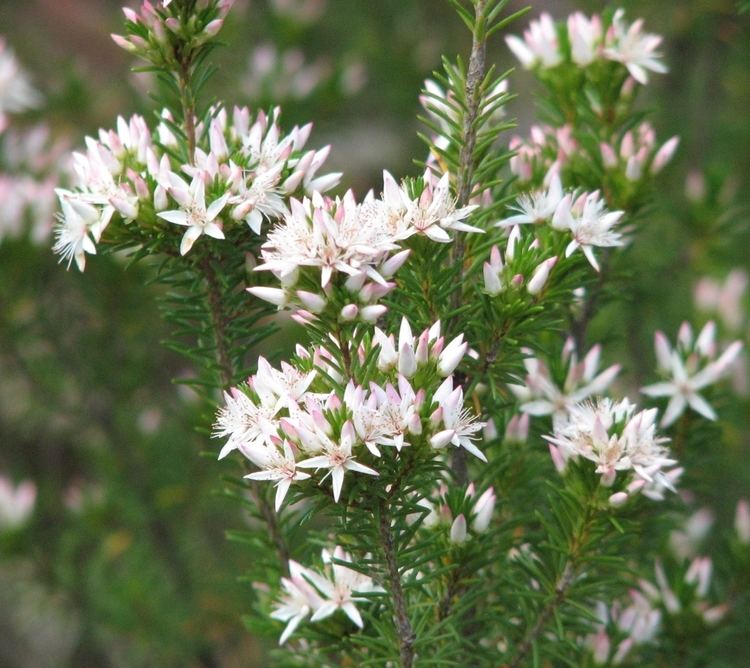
(123, 561)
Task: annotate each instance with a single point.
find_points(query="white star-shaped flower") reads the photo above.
(194, 214)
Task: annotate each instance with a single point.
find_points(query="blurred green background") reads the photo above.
(123, 561)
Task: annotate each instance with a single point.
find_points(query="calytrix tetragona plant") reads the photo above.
(391, 524)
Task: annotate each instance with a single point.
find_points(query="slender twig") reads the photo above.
(464, 178)
(219, 323)
(465, 175)
(576, 548)
(404, 630)
(561, 592)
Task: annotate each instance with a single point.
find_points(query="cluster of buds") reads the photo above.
(517, 267)
(320, 594)
(470, 512)
(292, 420)
(583, 41)
(336, 256)
(555, 391)
(637, 154)
(618, 440)
(544, 153)
(689, 368)
(584, 216)
(638, 620)
(16, 91)
(163, 33)
(16, 503)
(242, 170)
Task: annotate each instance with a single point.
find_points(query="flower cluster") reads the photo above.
(542, 395)
(318, 595)
(543, 154)
(638, 620)
(241, 171)
(324, 244)
(502, 273)
(617, 439)
(724, 299)
(588, 40)
(292, 420)
(16, 92)
(161, 32)
(583, 215)
(636, 153)
(475, 512)
(689, 368)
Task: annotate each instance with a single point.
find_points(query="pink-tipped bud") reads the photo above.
(372, 313)
(349, 312)
(422, 353)
(407, 361)
(483, 509)
(517, 281)
(492, 284)
(618, 499)
(124, 43)
(664, 155)
(540, 276)
(394, 263)
(271, 295)
(213, 27)
(458, 530)
(311, 301)
(609, 157)
(415, 424)
(437, 416)
(557, 459)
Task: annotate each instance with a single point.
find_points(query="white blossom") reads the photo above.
(632, 47)
(686, 373)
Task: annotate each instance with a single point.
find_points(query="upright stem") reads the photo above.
(465, 175)
(188, 105)
(576, 547)
(226, 378)
(474, 79)
(218, 320)
(404, 630)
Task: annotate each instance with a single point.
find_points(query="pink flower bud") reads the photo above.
(124, 43)
(557, 459)
(271, 295)
(483, 510)
(313, 302)
(540, 276)
(609, 157)
(492, 284)
(618, 499)
(394, 263)
(213, 27)
(372, 313)
(349, 312)
(458, 530)
(664, 154)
